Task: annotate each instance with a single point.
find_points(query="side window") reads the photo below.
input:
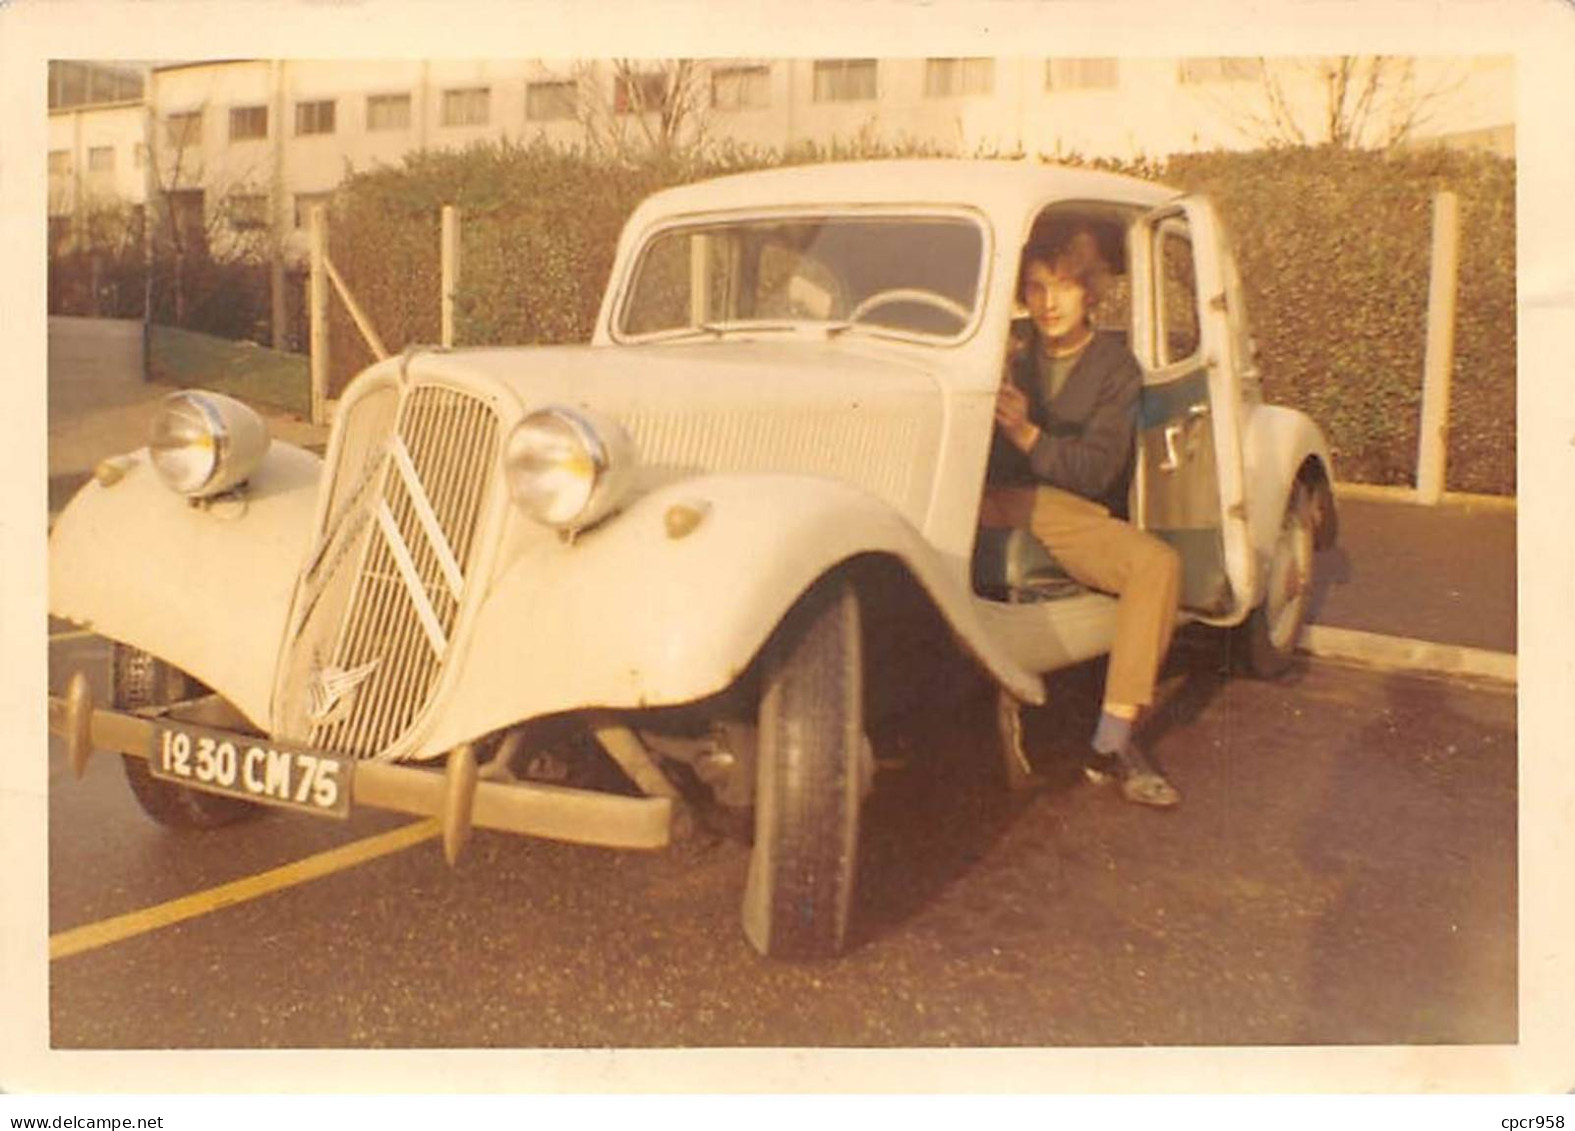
(1176, 292)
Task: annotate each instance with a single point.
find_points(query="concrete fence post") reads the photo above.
(278, 212)
(450, 271)
(1433, 443)
(317, 302)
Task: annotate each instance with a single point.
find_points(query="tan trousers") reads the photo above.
(1114, 557)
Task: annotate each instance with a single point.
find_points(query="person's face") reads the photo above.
(1056, 303)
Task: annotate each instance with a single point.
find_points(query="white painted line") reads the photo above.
(71, 634)
(107, 931)
(1400, 653)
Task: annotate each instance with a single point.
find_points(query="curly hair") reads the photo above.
(1071, 253)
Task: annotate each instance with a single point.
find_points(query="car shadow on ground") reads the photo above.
(1331, 569)
(942, 801)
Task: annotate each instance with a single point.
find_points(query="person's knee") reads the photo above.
(1161, 561)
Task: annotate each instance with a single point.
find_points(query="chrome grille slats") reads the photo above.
(437, 453)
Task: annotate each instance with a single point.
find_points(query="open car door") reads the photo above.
(1190, 488)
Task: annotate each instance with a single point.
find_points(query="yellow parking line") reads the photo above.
(94, 935)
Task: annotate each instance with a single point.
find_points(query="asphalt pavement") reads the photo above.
(1344, 870)
(1443, 574)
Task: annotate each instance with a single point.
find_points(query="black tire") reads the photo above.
(138, 679)
(809, 780)
(1266, 641)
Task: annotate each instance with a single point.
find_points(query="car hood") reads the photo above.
(753, 369)
(842, 408)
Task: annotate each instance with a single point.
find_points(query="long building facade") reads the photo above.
(238, 150)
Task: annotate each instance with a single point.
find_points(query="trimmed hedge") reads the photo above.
(1333, 247)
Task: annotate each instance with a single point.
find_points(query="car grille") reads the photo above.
(379, 601)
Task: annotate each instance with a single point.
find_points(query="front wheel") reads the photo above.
(1268, 637)
(808, 787)
(138, 679)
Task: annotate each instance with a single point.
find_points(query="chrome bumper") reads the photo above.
(457, 795)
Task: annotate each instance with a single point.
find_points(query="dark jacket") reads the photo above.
(1086, 437)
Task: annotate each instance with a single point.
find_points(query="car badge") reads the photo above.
(330, 691)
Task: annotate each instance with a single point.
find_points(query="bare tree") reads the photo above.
(200, 212)
(1347, 101)
(657, 107)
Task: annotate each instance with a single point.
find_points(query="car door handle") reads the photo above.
(1173, 432)
(1172, 458)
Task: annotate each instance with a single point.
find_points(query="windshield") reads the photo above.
(909, 274)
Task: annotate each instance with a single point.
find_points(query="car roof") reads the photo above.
(998, 187)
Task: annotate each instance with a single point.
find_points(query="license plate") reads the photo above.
(252, 769)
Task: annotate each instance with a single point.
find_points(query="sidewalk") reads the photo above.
(99, 405)
(1439, 573)
(1443, 574)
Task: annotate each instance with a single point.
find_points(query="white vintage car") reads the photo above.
(674, 551)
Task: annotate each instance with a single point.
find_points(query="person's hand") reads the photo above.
(1011, 417)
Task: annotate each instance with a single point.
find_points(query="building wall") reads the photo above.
(74, 135)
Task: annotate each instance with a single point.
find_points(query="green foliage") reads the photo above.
(242, 369)
(1333, 246)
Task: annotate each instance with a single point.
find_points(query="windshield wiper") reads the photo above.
(747, 326)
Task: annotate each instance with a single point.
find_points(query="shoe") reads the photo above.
(1141, 782)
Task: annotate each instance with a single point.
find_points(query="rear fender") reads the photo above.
(1278, 443)
(206, 588)
(637, 614)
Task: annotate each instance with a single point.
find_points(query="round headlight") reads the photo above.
(566, 467)
(205, 443)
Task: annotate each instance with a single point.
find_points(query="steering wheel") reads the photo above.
(914, 295)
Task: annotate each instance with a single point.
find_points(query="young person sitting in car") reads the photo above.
(1066, 419)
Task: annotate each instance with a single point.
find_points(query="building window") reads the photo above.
(87, 84)
(59, 162)
(550, 101)
(639, 94)
(1080, 74)
(314, 117)
(101, 159)
(187, 211)
(181, 130)
(466, 107)
(741, 88)
(948, 78)
(248, 123)
(1220, 68)
(249, 211)
(844, 80)
(387, 112)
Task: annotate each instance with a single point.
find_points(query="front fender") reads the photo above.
(631, 616)
(206, 588)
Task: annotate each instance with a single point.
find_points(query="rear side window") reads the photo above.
(1177, 294)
